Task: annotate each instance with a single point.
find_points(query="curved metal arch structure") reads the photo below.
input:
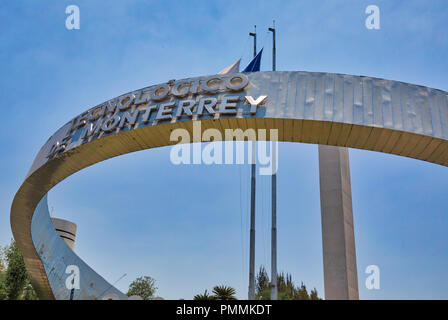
(320, 108)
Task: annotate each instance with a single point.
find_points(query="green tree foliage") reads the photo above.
(14, 280)
(285, 286)
(3, 292)
(262, 287)
(204, 296)
(219, 293)
(302, 293)
(313, 295)
(224, 293)
(145, 287)
(2, 260)
(16, 275)
(28, 292)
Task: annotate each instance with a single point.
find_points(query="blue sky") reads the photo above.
(187, 226)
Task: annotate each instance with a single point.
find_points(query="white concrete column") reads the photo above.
(338, 240)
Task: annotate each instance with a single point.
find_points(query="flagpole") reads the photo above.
(273, 45)
(254, 34)
(274, 289)
(252, 204)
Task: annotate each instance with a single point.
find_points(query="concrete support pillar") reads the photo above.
(338, 240)
(66, 230)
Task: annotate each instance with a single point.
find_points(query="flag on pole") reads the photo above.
(254, 65)
(233, 68)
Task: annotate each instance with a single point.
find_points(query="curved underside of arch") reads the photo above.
(319, 108)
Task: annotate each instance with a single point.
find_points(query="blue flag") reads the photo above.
(254, 65)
